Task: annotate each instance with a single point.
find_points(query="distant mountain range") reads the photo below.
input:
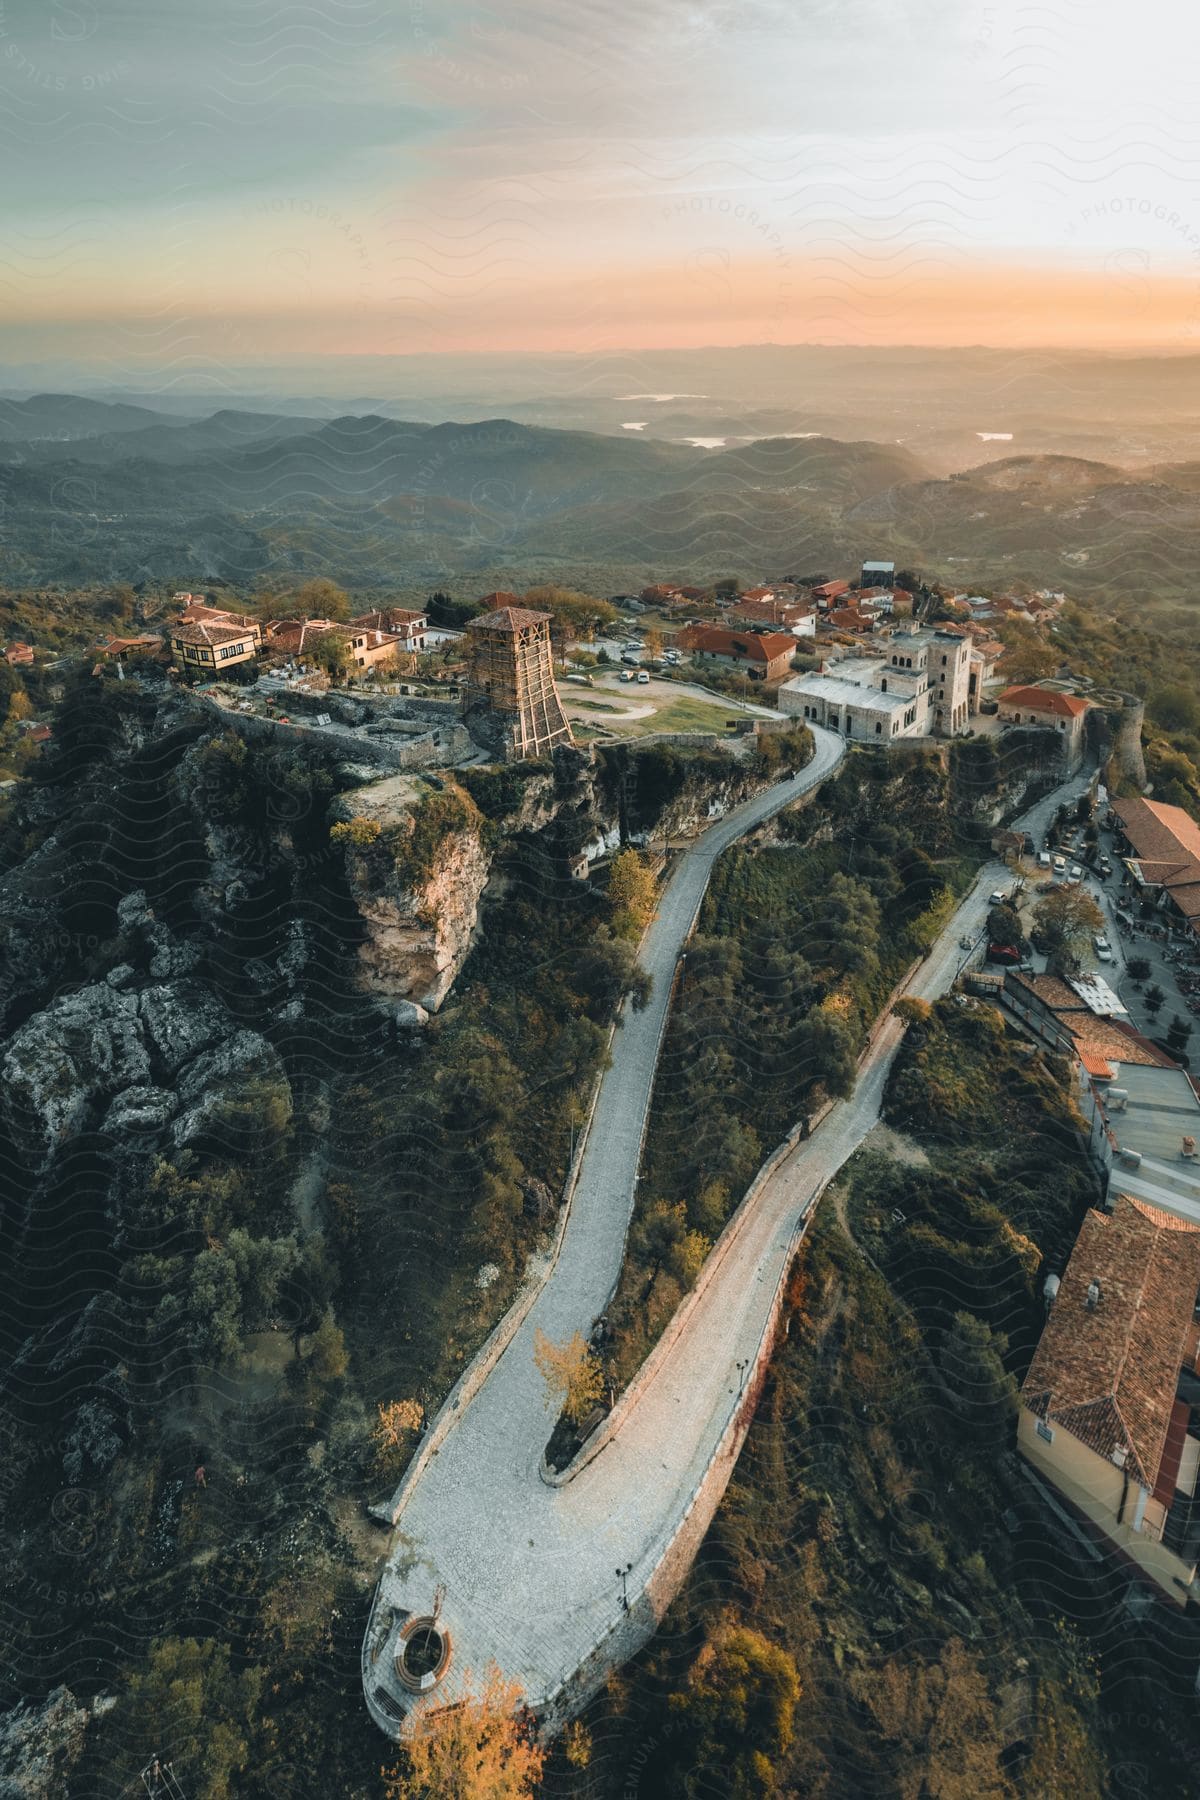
(96, 490)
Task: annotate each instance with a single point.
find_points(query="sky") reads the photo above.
(230, 180)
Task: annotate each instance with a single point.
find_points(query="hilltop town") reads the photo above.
(875, 877)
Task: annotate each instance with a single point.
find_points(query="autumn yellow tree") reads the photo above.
(482, 1748)
(631, 894)
(571, 1371)
(653, 641)
(393, 1432)
(321, 599)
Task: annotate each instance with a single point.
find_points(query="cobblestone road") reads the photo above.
(528, 1570)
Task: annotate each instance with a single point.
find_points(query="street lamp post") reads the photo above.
(622, 1576)
(741, 1369)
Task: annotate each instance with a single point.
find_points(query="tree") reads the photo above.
(1178, 1033)
(328, 650)
(321, 599)
(571, 1372)
(983, 1393)
(482, 1748)
(653, 641)
(573, 616)
(911, 1011)
(1064, 921)
(631, 894)
(738, 1710)
(1139, 967)
(327, 1357)
(186, 1701)
(1004, 926)
(1154, 998)
(392, 1436)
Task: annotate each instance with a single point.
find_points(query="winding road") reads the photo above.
(555, 1583)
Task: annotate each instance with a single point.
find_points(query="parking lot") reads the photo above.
(1175, 968)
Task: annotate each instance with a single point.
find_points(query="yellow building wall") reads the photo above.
(1094, 1487)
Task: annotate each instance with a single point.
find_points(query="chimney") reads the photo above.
(1093, 1295)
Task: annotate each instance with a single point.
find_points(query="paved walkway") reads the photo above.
(529, 1570)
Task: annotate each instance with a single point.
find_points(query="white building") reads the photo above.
(946, 659)
(867, 699)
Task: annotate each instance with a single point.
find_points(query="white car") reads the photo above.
(643, 678)
(1104, 955)
(1076, 872)
(1060, 865)
(999, 898)
(1043, 859)
(626, 674)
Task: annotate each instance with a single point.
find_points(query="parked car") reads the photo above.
(999, 898)
(1105, 955)
(1043, 859)
(643, 678)
(1076, 872)
(1003, 953)
(1105, 866)
(1030, 846)
(1060, 865)
(627, 675)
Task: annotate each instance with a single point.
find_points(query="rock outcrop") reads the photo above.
(171, 1049)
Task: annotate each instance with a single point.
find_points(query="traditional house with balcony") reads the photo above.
(212, 649)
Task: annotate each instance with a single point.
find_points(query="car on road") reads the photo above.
(1105, 867)
(1102, 947)
(1043, 859)
(999, 898)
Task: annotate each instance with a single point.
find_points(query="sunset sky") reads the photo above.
(230, 180)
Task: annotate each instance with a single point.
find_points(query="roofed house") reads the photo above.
(198, 612)
(208, 649)
(850, 618)
(1162, 854)
(827, 592)
(1109, 1415)
(17, 654)
(796, 616)
(401, 622)
(1050, 708)
(763, 656)
(121, 649)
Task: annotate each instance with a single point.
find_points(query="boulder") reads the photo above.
(409, 1016)
(237, 1089)
(84, 1047)
(180, 1021)
(140, 1112)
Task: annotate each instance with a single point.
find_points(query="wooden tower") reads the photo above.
(510, 674)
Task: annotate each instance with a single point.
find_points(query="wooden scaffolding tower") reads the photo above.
(510, 670)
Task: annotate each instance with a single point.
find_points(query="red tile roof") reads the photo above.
(507, 618)
(19, 653)
(755, 646)
(1108, 1375)
(1047, 700)
(829, 590)
(199, 632)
